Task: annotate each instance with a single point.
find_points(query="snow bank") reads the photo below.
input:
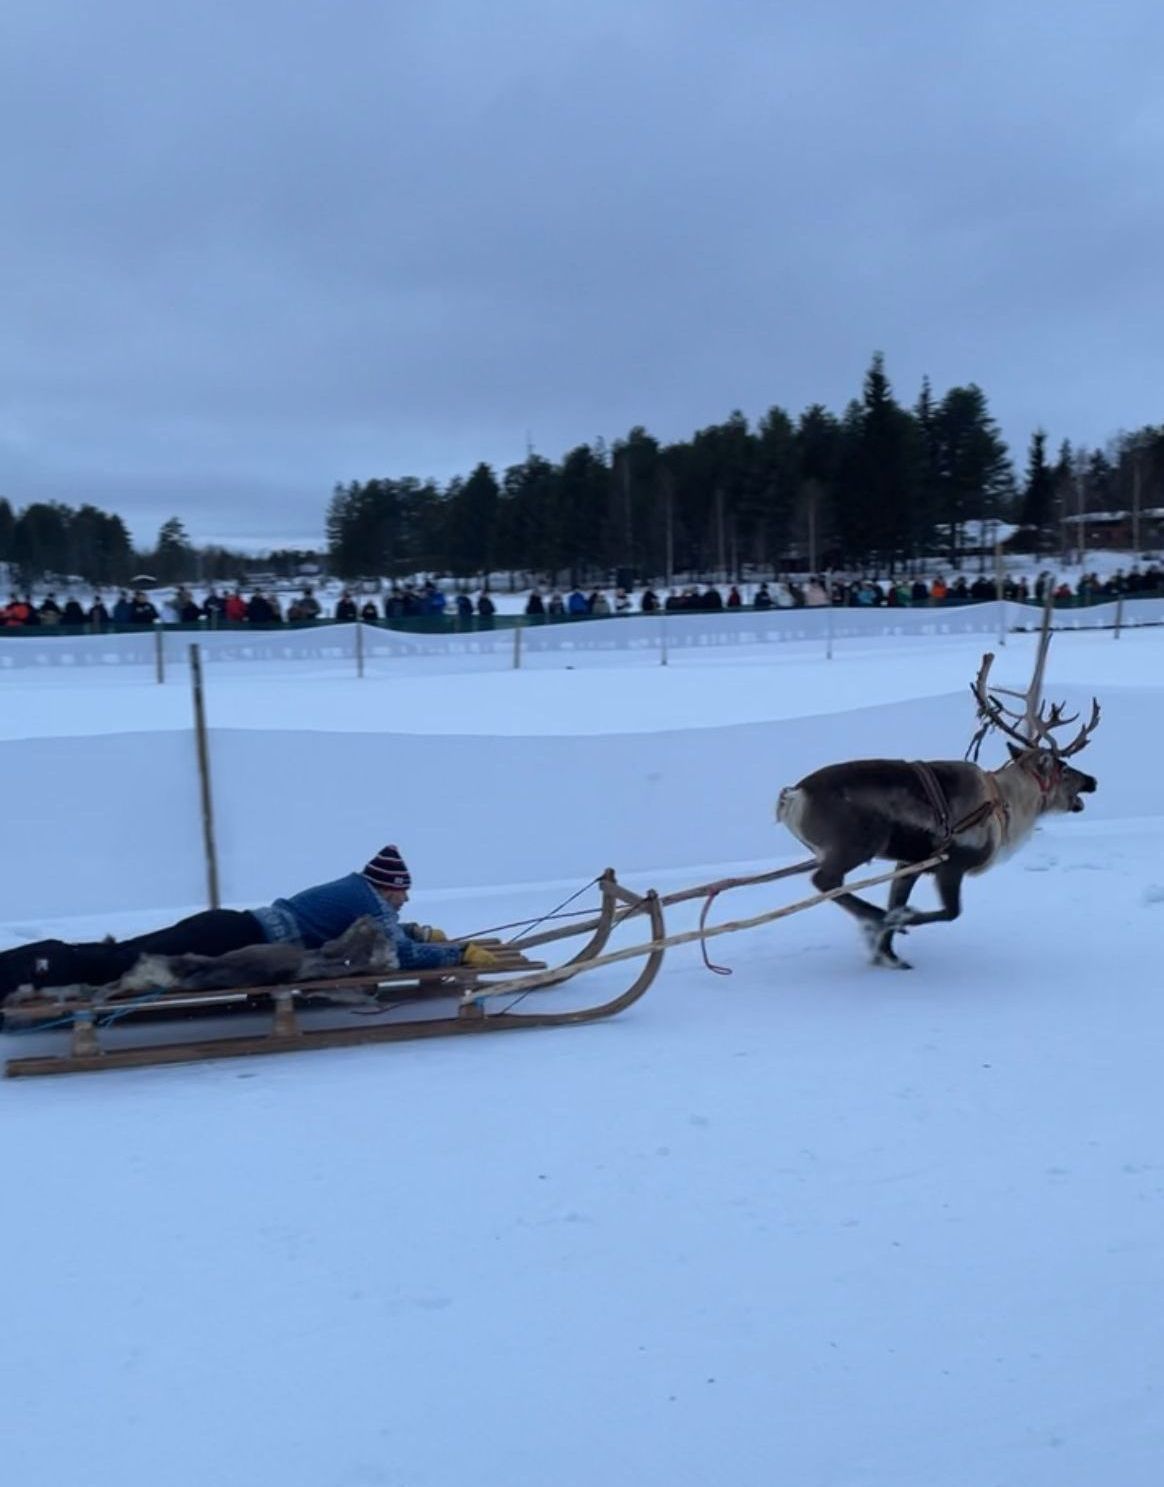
(113, 822)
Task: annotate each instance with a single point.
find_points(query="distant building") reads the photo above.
(1115, 530)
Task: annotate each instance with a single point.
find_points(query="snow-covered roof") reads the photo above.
(983, 530)
(1152, 513)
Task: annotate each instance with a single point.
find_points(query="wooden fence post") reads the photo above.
(204, 777)
(159, 657)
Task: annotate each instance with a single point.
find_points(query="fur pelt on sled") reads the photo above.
(362, 950)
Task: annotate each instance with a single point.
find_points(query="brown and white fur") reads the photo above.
(848, 814)
(362, 949)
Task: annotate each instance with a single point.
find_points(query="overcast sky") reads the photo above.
(250, 249)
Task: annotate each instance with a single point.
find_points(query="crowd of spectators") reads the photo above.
(939, 590)
(129, 608)
(402, 603)
(795, 593)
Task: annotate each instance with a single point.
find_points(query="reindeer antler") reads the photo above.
(1055, 719)
(1036, 723)
(993, 713)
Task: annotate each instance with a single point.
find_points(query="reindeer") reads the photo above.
(908, 812)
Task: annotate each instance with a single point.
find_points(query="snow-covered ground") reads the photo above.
(810, 1224)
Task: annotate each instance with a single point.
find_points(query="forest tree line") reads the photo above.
(878, 486)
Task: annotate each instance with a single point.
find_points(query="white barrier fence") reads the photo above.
(657, 638)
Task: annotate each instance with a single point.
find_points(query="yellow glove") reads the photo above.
(479, 958)
(435, 936)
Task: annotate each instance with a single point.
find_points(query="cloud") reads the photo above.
(253, 251)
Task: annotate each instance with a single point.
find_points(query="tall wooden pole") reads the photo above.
(628, 536)
(670, 512)
(1044, 645)
(720, 549)
(812, 527)
(204, 777)
(1081, 543)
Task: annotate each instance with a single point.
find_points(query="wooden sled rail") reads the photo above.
(609, 915)
(388, 986)
(556, 975)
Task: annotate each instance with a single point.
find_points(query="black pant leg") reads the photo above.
(38, 964)
(57, 963)
(213, 932)
(97, 962)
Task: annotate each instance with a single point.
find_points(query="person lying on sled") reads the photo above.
(309, 918)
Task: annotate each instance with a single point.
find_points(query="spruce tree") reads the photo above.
(1038, 492)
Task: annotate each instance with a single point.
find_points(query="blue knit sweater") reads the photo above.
(322, 913)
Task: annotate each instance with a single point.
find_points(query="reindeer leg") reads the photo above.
(881, 939)
(831, 874)
(948, 878)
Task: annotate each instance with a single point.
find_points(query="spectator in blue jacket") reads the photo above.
(309, 918)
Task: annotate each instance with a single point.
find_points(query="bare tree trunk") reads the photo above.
(668, 525)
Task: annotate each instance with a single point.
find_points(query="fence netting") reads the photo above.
(375, 649)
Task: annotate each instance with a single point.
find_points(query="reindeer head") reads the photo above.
(1034, 745)
(1062, 784)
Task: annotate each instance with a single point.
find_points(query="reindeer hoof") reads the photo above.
(881, 946)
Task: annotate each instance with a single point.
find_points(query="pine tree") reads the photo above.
(40, 541)
(472, 522)
(1038, 504)
(583, 487)
(880, 485)
(819, 457)
(7, 531)
(975, 480)
(770, 503)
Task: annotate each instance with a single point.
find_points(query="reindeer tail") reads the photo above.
(789, 804)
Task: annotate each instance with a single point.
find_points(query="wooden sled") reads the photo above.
(86, 1013)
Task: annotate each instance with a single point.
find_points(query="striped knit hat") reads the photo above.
(387, 870)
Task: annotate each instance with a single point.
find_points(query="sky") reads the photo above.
(251, 251)
(812, 1224)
